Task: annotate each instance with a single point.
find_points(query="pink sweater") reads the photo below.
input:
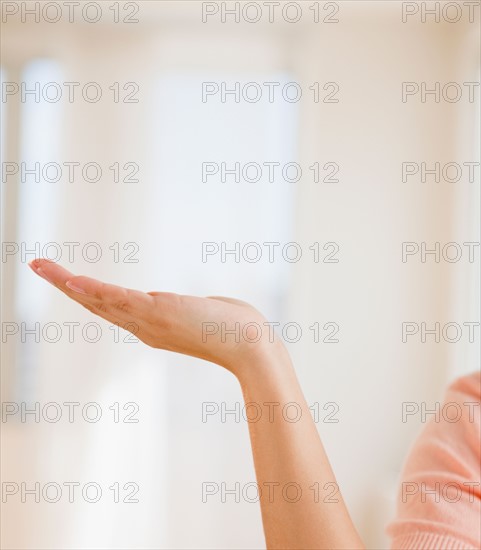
(439, 505)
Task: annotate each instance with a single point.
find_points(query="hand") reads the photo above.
(201, 327)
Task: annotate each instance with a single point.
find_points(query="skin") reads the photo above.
(285, 453)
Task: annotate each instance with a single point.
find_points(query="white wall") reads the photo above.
(369, 293)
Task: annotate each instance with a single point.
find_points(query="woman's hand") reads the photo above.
(225, 331)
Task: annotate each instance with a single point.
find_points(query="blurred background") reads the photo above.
(168, 139)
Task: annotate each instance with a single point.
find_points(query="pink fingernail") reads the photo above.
(75, 288)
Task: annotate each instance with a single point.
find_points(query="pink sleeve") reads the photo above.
(439, 504)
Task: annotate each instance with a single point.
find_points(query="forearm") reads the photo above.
(290, 462)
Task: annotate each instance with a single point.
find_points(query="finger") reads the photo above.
(58, 277)
(114, 301)
(51, 272)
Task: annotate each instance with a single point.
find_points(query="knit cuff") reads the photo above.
(430, 541)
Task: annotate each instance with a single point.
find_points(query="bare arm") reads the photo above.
(301, 507)
(291, 454)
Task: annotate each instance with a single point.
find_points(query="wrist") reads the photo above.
(263, 364)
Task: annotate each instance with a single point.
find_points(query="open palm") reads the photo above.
(216, 329)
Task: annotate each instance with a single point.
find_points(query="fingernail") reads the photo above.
(41, 272)
(75, 288)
